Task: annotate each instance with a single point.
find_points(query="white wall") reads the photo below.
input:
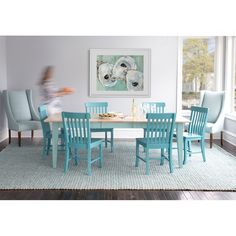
(3, 85)
(230, 130)
(27, 56)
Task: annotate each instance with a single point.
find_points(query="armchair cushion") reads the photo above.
(19, 105)
(209, 128)
(213, 101)
(29, 125)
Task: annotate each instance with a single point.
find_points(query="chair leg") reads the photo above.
(112, 138)
(137, 154)
(106, 139)
(9, 135)
(67, 158)
(76, 156)
(48, 146)
(185, 151)
(32, 134)
(211, 140)
(170, 159)
(203, 150)
(147, 162)
(101, 156)
(89, 161)
(144, 135)
(44, 148)
(162, 157)
(189, 148)
(19, 139)
(221, 138)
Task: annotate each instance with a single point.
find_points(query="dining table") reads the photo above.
(117, 122)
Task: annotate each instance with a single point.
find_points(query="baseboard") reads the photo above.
(131, 134)
(3, 139)
(3, 135)
(230, 137)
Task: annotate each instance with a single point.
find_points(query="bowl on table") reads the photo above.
(107, 116)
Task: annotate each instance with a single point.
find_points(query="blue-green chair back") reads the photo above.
(77, 136)
(159, 135)
(160, 128)
(76, 128)
(198, 120)
(154, 107)
(96, 107)
(43, 114)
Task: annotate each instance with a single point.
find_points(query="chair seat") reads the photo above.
(101, 130)
(94, 142)
(143, 142)
(191, 136)
(49, 134)
(29, 125)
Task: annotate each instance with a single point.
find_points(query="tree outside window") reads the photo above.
(198, 69)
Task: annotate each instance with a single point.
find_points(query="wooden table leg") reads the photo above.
(9, 135)
(55, 127)
(179, 130)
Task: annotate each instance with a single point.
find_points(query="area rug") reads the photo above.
(23, 168)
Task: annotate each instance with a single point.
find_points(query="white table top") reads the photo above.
(128, 119)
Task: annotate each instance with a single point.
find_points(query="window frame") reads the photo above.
(229, 83)
(233, 82)
(218, 69)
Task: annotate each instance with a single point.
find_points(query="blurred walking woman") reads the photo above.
(51, 95)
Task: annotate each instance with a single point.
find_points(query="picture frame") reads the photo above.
(120, 73)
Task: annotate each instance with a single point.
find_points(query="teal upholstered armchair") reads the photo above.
(20, 112)
(215, 102)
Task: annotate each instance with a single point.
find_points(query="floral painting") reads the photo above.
(119, 72)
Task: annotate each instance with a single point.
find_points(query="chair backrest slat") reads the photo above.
(160, 128)
(76, 128)
(43, 114)
(96, 107)
(153, 107)
(198, 120)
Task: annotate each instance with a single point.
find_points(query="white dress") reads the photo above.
(49, 99)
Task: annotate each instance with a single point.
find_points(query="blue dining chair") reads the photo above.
(47, 133)
(78, 136)
(196, 131)
(152, 107)
(159, 136)
(95, 108)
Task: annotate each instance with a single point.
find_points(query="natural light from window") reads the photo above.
(198, 69)
(234, 92)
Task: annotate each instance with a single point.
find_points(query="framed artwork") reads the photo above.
(120, 73)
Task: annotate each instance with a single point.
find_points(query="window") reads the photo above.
(235, 90)
(234, 78)
(198, 69)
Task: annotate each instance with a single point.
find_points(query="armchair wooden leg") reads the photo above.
(9, 135)
(19, 139)
(211, 140)
(32, 134)
(221, 138)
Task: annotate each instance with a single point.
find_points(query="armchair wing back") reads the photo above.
(20, 112)
(215, 102)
